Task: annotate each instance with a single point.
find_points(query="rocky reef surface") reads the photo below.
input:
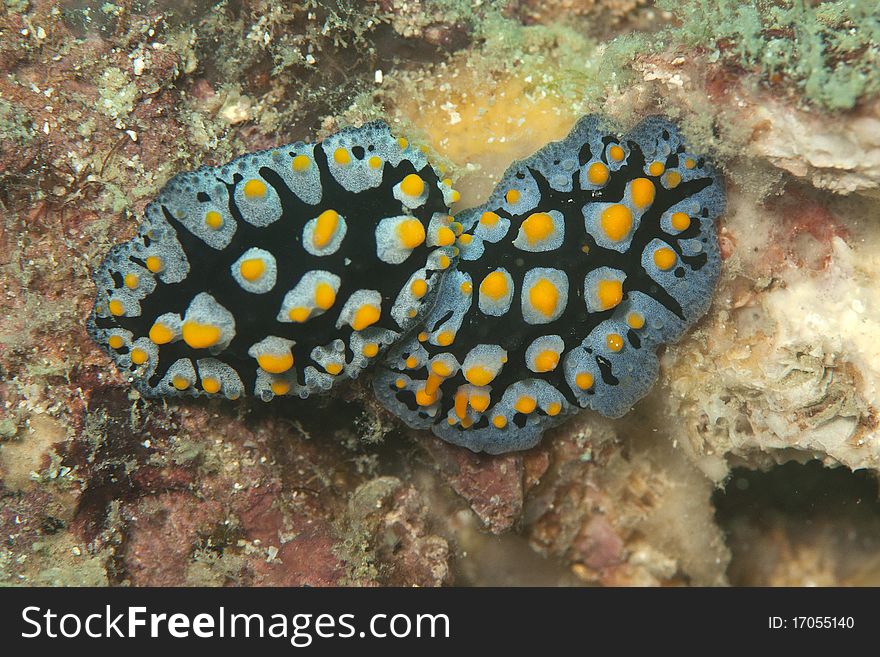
(753, 461)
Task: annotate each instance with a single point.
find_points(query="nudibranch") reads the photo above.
(588, 255)
(280, 273)
(287, 271)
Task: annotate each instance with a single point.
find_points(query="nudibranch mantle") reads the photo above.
(289, 270)
(280, 273)
(589, 255)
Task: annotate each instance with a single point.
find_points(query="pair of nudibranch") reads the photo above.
(290, 270)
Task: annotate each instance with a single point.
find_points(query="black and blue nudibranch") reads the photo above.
(287, 271)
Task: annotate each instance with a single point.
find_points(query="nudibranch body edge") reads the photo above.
(287, 271)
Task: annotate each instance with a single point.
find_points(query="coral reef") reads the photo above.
(770, 403)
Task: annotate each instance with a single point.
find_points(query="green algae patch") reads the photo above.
(117, 93)
(830, 52)
(15, 124)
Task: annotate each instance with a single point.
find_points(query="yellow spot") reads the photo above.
(138, 356)
(200, 336)
(333, 368)
(341, 156)
(132, 280)
(512, 196)
(116, 308)
(325, 228)
(252, 269)
(180, 382)
(466, 239)
(597, 174)
(616, 221)
(584, 380)
(447, 182)
(370, 349)
(467, 287)
(301, 163)
(445, 236)
(411, 233)
(213, 220)
(254, 188)
(275, 363)
(616, 153)
(466, 423)
(489, 219)
(412, 362)
(425, 398)
(440, 368)
(664, 258)
(444, 261)
(585, 248)
(525, 404)
(423, 336)
(433, 384)
(461, 403)
(642, 192)
(546, 361)
(155, 264)
(445, 338)
(161, 334)
(210, 385)
(610, 293)
(494, 286)
(115, 341)
(538, 227)
(400, 384)
(680, 221)
(299, 314)
(689, 163)
(365, 316)
(456, 228)
(325, 296)
(614, 341)
(479, 402)
(656, 168)
(479, 375)
(499, 421)
(673, 179)
(412, 185)
(635, 320)
(544, 296)
(375, 162)
(280, 387)
(403, 143)
(412, 312)
(553, 408)
(419, 288)
(456, 197)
